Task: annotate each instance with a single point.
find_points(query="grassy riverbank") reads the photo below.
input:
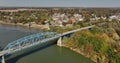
(79, 52)
(100, 44)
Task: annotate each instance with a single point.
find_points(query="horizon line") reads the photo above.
(56, 7)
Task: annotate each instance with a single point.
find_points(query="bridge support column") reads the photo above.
(59, 42)
(3, 59)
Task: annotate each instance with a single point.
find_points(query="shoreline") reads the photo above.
(79, 52)
(34, 26)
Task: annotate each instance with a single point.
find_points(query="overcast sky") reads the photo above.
(61, 3)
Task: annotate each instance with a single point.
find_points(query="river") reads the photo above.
(51, 54)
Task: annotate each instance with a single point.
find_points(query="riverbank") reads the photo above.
(36, 26)
(79, 52)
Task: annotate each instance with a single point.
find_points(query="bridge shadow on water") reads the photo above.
(15, 59)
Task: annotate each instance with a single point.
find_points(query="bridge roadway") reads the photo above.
(69, 32)
(34, 39)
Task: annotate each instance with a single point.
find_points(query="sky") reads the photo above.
(61, 3)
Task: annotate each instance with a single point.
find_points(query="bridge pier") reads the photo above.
(59, 42)
(3, 59)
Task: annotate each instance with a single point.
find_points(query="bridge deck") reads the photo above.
(78, 30)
